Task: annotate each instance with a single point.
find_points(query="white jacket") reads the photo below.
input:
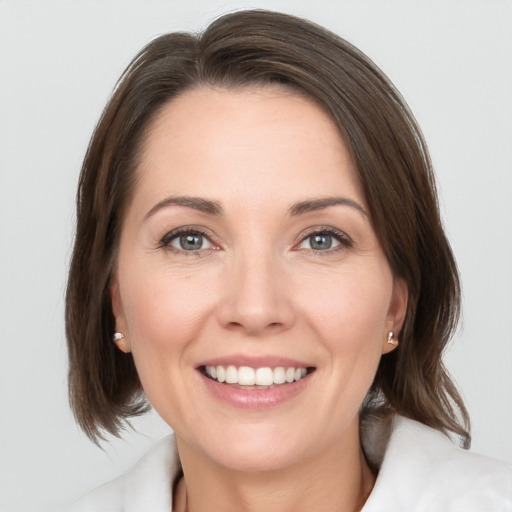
(420, 470)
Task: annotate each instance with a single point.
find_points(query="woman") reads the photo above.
(258, 234)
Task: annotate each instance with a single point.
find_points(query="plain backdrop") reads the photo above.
(452, 61)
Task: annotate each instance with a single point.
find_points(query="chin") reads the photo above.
(257, 448)
(252, 460)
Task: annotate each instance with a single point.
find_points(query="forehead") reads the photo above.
(247, 143)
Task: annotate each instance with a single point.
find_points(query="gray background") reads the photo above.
(58, 63)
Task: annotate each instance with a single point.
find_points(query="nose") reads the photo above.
(256, 297)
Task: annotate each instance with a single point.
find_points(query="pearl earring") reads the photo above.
(391, 339)
(117, 336)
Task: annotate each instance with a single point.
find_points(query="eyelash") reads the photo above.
(344, 241)
(165, 242)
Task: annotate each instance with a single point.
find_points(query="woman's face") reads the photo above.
(247, 255)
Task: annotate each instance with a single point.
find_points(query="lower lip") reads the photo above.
(257, 399)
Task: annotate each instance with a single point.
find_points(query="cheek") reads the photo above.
(165, 316)
(350, 317)
(352, 306)
(164, 312)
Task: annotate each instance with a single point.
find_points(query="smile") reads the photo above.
(257, 378)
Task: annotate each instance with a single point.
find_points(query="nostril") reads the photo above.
(234, 325)
(254, 328)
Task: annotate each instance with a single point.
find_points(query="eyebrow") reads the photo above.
(214, 208)
(320, 204)
(195, 203)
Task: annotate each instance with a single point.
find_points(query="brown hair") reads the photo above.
(387, 147)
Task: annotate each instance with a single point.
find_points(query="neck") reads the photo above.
(337, 480)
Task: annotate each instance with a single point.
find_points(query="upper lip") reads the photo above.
(255, 361)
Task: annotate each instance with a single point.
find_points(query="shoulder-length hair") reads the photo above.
(394, 169)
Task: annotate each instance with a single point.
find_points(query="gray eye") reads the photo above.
(190, 242)
(319, 242)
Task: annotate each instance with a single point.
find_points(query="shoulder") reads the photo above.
(422, 470)
(147, 484)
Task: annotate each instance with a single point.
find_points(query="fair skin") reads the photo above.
(247, 243)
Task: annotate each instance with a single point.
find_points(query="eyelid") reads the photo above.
(343, 239)
(165, 241)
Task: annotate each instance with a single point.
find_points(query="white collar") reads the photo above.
(420, 470)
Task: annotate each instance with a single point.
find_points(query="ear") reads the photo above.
(123, 343)
(396, 313)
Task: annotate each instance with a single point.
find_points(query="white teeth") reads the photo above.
(279, 375)
(221, 373)
(247, 376)
(264, 376)
(231, 375)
